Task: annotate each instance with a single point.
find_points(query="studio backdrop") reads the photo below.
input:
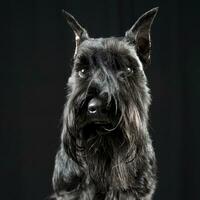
(36, 48)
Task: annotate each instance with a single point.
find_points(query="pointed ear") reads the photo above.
(139, 35)
(80, 33)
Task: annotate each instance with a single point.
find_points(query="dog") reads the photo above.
(106, 151)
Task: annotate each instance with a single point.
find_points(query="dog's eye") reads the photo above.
(82, 73)
(129, 70)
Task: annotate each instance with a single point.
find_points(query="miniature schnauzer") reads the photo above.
(106, 151)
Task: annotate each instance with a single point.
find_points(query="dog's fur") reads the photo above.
(107, 156)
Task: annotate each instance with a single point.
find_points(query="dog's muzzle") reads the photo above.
(99, 111)
(100, 116)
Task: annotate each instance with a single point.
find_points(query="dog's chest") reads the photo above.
(106, 169)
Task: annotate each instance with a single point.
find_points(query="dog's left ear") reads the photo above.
(139, 35)
(80, 33)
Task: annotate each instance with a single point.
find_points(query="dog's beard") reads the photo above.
(100, 144)
(104, 147)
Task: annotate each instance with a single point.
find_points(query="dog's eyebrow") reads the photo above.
(132, 61)
(82, 60)
(126, 61)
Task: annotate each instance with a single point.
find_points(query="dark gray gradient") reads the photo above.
(36, 48)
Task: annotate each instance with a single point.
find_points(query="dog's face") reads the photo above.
(107, 90)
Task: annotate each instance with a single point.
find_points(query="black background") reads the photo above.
(36, 47)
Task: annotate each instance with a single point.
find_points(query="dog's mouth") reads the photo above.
(102, 128)
(97, 128)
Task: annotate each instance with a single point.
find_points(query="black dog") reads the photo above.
(106, 151)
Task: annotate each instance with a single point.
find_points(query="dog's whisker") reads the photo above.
(96, 142)
(92, 138)
(116, 126)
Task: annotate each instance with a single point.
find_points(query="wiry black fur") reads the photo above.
(119, 163)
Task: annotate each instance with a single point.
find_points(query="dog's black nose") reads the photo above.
(94, 106)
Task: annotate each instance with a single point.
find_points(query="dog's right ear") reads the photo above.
(80, 33)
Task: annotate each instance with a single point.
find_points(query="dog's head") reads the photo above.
(108, 95)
